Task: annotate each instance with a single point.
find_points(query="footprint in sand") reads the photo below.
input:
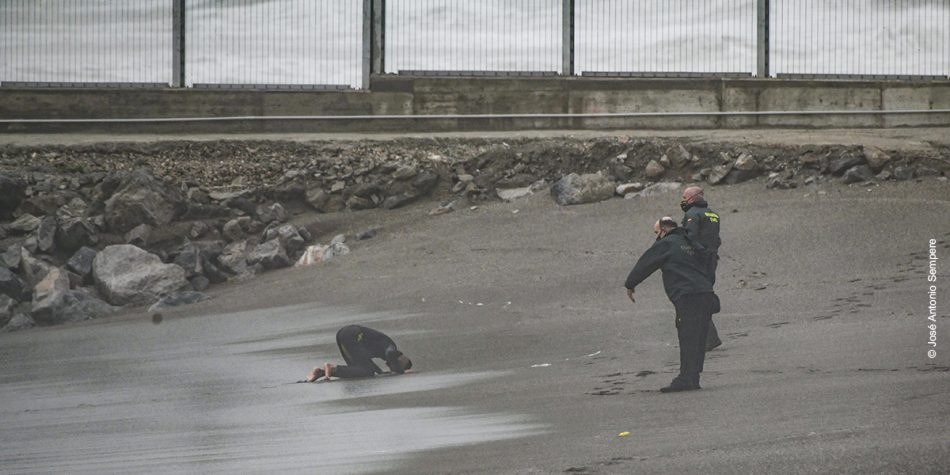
(776, 325)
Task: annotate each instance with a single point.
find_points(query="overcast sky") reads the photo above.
(320, 41)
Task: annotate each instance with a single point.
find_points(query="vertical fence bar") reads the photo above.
(379, 36)
(567, 37)
(367, 42)
(178, 43)
(762, 38)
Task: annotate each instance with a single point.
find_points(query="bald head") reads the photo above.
(692, 194)
(663, 226)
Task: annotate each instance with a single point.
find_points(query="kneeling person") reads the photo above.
(359, 345)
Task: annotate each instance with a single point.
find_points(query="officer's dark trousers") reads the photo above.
(712, 338)
(693, 317)
(359, 364)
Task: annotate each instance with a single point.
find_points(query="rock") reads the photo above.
(718, 174)
(578, 189)
(404, 173)
(141, 198)
(19, 322)
(679, 156)
(398, 201)
(858, 174)
(233, 231)
(665, 161)
(654, 170)
(739, 176)
(49, 297)
(226, 195)
(177, 299)
(190, 259)
(876, 158)
(288, 235)
(337, 187)
(7, 307)
(273, 213)
(884, 176)
(25, 224)
(199, 229)
(357, 203)
(10, 258)
(746, 162)
(509, 194)
(233, 258)
(211, 270)
(14, 287)
(627, 188)
(903, 173)
(81, 263)
(75, 232)
(311, 255)
(11, 195)
(366, 190)
(927, 171)
(199, 282)
(840, 165)
(47, 204)
(367, 234)
(660, 189)
(46, 234)
(81, 304)
(242, 206)
(780, 182)
(139, 235)
(195, 211)
(317, 199)
(466, 178)
(425, 182)
(128, 275)
(270, 255)
(32, 269)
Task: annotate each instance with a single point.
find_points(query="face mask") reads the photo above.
(684, 205)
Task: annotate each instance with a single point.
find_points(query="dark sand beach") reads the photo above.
(529, 357)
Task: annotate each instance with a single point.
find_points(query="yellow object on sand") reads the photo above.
(623, 434)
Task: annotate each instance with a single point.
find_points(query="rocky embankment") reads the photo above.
(85, 230)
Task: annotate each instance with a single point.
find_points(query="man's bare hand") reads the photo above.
(630, 295)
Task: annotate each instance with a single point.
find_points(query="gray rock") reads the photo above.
(11, 195)
(195, 211)
(233, 231)
(859, 173)
(211, 270)
(177, 299)
(49, 297)
(81, 263)
(289, 238)
(399, 200)
(578, 189)
(199, 229)
(10, 258)
(233, 259)
(746, 162)
(840, 165)
(780, 182)
(876, 158)
(903, 173)
(270, 214)
(305, 233)
(190, 259)
(270, 255)
(139, 235)
(199, 282)
(654, 170)
(660, 189)
(75, 232)
(46, 234)
(14, 287)
(927, 171)
(739, 176)
(19, 322)
(405, 173)
(718, 174)
(32, 270)
(510, 194)
(425, 182)
(81, 304)
(7, 307)
(357, 203)
(25, 224)
(884, 175)
(317, 199)
(141, 198)
(679, 156)
(127, 275)
(628, 188)
(367, 234)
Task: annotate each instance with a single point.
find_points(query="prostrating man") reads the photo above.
(690, 290)
(702, 226)
(359, 345)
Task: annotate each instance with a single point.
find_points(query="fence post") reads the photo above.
(178, 43)
(367, 63)
(762, 39)
(379, 37)
(567, 37)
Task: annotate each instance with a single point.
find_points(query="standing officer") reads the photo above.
(690, 290)
(702, 226)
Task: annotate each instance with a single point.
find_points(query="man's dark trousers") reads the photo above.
(712, 263)
(693, 316)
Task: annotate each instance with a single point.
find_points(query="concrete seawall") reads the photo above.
(467, 96)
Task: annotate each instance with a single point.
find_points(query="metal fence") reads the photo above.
(340, 43)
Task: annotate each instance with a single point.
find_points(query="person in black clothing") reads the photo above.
(359, 345)
(690, 290)
(702, 226)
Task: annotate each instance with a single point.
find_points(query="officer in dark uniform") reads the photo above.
(359, 345)
(690, 290)
(702, 226)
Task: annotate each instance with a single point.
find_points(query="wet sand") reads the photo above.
(527, 347)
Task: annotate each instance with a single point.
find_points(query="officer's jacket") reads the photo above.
(681, 261)
(702, 226)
